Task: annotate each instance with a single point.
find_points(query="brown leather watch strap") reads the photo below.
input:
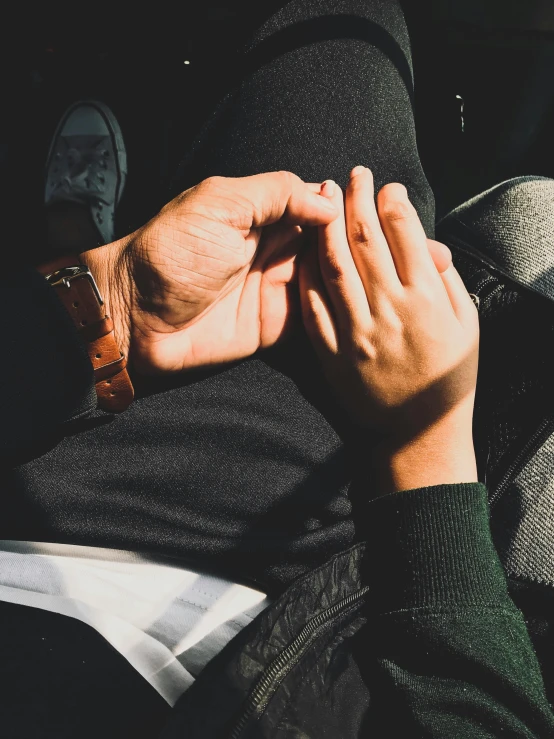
(79, 294)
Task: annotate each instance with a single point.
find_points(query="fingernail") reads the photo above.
(358, 170)
(327, 188)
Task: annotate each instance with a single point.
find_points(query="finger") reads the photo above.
(279, 242)
(462, 304)
(263, 199)
(440, 254)
(339, 272)
(316, 314)
(368, 244)
(405, 235)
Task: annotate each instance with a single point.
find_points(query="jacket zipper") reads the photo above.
(486, 289)
(534, 443)
(489, 294)
(276, 672)
(546, 427)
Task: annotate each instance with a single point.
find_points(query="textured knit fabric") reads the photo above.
(527, 515)
(341, 80)
(512, 225)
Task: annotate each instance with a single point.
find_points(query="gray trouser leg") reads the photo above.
(513, 225)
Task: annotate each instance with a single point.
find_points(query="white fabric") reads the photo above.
(168, 622)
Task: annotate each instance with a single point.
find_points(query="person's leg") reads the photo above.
(512, 225)
(509, 227)
(317, 89)
(245, 470)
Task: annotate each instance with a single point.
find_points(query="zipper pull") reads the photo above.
(481, 285)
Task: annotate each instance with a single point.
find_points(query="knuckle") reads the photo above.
(212, 184)
(396, 210)
(289, 178)
(361, 232)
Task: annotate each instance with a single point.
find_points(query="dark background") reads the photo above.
(496, 54)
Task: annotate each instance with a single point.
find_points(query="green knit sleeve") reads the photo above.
(451, 655)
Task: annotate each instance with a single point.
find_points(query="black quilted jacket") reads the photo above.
(413, 634)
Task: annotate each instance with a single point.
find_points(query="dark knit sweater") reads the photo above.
(452, 653)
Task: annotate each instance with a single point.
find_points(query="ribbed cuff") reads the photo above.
(432, 547)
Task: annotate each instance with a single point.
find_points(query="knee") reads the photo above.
(516, 200)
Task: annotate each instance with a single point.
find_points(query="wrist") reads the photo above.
(108, 267)
(442, 454)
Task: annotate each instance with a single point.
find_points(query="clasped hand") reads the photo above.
(397, 338)
(213, 277)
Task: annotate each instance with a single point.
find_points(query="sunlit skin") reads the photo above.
(213, 277)
(226, 269)
(397, 339)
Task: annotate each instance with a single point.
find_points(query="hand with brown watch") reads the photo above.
(212, 278)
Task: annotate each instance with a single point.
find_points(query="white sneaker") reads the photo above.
(87, 163)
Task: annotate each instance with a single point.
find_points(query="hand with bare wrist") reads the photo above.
(397, 336)
(441, 455)
(212, 278)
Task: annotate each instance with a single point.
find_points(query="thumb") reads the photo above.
(270, 196)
